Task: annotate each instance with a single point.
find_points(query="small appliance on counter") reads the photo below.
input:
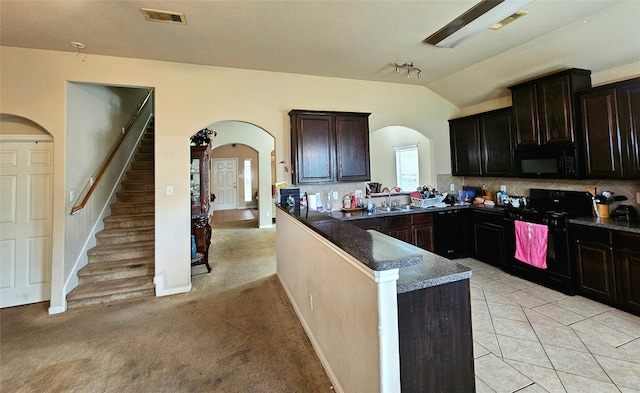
(625, 212)
(373, 187)
(284, 193)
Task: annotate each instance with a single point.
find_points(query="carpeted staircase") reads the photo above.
(121, 265)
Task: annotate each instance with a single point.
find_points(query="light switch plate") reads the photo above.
(638, 197)
(452, 187)
(169, 190)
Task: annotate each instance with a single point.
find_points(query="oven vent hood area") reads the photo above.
(484, 15)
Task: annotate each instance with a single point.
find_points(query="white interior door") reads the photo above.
(225, 180)
(26, 183)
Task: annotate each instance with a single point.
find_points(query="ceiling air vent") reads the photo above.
(163, 16)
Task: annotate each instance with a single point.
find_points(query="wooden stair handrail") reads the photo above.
(114, 150)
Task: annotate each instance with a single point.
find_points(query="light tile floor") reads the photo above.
(531, 339)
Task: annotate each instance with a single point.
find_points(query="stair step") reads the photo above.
(142, 165)
(140, 175)
(135, 196)
(109, 291)
(114, 252)
(116, 270)
(129, 220)
(132, 207)
(125, 235)
(145, 157)
(138, 185)
(122, 265)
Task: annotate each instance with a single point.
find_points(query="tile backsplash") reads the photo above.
(518, 186)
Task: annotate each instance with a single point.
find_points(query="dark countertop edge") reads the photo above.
(433, 271)
(375, 250)
(608, 223)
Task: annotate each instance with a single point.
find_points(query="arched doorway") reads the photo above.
(26, 219)
(257, 139)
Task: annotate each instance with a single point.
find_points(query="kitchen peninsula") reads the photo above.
(382, 315)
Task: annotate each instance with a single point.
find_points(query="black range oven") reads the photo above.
(552, 208)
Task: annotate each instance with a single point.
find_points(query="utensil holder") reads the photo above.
(603, 210)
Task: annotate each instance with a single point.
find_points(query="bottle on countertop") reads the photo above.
(369, 204)
(319, 202)
(346, 203)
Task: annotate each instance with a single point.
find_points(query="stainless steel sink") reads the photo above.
(387, 209)
(403, 207)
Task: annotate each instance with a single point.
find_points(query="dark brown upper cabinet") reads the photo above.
(328, 147)
(482, 144)
(544, 108)
(610, 125)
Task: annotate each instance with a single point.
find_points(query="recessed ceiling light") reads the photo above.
(163, 16)
(508, 19)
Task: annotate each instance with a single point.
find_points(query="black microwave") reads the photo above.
(548, 162)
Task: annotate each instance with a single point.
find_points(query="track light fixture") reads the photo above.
(409, 67)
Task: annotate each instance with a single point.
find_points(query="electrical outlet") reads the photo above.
(310, 300)
(503, 188)
(169, 190)
(268, 213)
(358, 193)
(72, 196)
(452, 187)
(638, 197)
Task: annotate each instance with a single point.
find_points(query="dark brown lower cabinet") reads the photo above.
(608, 266)
(422, 231)
(628, 253)
(416, 228)
(436, 346)
(596, 270)
(399, 227)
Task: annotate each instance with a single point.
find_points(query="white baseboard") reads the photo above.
(58, 310)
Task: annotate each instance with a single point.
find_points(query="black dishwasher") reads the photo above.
(448, 233)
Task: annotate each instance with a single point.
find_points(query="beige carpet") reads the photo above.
(234, 332)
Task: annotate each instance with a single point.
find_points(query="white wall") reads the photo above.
(357, 342)
(187, 99)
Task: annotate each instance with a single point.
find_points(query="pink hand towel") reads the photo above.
(531, 243)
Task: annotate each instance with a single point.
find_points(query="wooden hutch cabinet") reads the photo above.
(544, 108)
(329, 147)
(610, 117)
(200, 204)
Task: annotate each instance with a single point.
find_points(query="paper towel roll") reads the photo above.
(312, 201)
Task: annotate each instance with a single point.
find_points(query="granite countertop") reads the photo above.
(434, 270)
(418, 268)
(608, 223)
(375, 250)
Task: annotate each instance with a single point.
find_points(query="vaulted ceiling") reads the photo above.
(343, 39)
